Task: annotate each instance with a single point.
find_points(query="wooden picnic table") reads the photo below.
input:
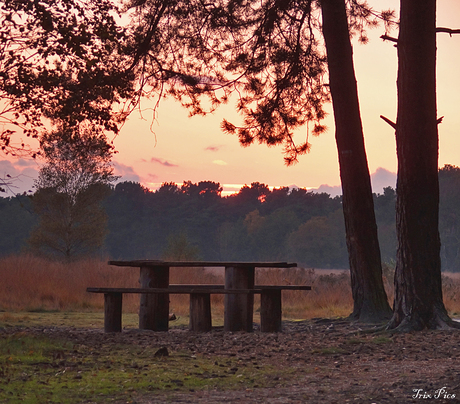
(239, 276)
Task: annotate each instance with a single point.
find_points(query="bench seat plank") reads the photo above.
(282, 287)
(187, 289)
(171, 290)
(159, 263)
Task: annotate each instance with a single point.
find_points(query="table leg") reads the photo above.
(200, 312)
(112, 312)
(238, 311)
(270, 311)
(154, 308)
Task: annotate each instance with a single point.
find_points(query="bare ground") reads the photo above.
(333, 361)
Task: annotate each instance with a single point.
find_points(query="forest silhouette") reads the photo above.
(194, 221)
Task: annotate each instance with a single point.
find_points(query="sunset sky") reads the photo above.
(178, 148)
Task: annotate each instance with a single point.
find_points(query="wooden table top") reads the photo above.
(160, 263)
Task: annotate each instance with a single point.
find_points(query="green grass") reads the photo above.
(37, 369)
(381, 339)
(354, 341)
(70, 319)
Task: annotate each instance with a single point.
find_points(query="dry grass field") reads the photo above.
(34, 284)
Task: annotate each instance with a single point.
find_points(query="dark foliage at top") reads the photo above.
(269, 54)
(61, 62)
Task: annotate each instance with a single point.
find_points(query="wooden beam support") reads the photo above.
(154, 308)
(200, 312)
(270, 310)
(239, 308)
(112, 312)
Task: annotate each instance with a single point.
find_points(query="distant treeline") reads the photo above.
(193, 221)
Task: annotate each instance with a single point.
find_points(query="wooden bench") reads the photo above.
(200, 303)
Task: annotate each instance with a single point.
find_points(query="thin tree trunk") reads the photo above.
(370, 299)
(418, 294)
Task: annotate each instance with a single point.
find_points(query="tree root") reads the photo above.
(371, 319)
(439, 321)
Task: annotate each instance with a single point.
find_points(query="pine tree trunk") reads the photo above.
(418, 293)
(370, 299)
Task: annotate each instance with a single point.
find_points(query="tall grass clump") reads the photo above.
(451, 292)
(33, 284)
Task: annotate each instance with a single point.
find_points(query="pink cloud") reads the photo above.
(19, 175)
(162, 162)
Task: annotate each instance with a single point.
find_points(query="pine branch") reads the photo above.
(391, 123)
(389, 38)
(449, 31)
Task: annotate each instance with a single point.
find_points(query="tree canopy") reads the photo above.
(74, 160)
(71, 186)
(60, 62)
(269, 53)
